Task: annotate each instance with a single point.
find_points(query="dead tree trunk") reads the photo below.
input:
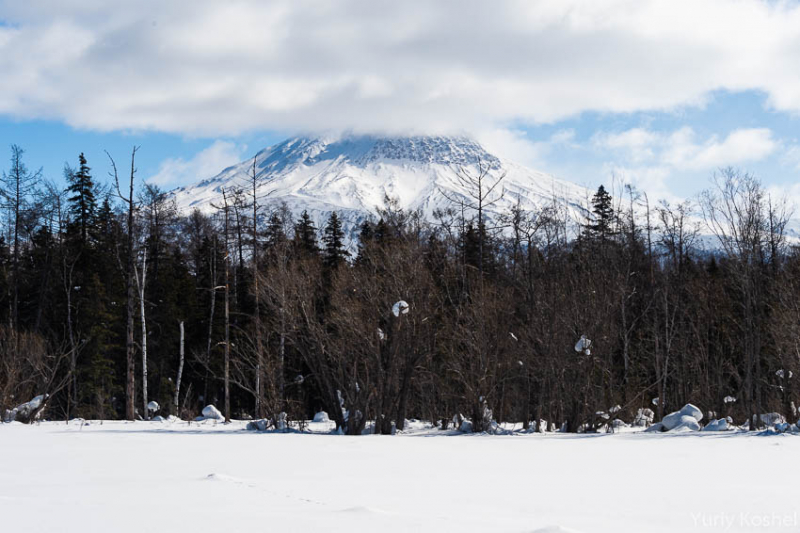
(180, 374)
(227, 316)
(140, 284)
(130, 346)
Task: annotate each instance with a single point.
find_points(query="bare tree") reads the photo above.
(18, 184)
(180, 373)
(481, 188)
(129, 272)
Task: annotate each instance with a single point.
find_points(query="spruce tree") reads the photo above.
(603, 210)
(275, 236)
(335, 252)
(82, 203)
(305, 236)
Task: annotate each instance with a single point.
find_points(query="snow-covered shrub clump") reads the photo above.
(152, 407)
(687, 419)
(772, 419)
(718, 425)
(693, 411)
(322, 416)
(644, 417)
(782, 427)
(281, 423)
(26, 412)
(258, 425)
(583, 345)
(688, 423)
(211, 413)
(400, 308)
(462, 424)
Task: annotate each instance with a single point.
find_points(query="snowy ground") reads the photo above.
(165, 477)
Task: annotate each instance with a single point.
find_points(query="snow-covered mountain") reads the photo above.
(353, 175)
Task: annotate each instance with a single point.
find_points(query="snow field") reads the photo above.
(206, 476)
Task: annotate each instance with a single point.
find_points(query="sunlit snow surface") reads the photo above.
(175, 476)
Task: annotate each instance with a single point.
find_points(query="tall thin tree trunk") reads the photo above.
(227, 317)
(257, 298)
(141, 282)
(213, 272)
(130, 347)
(180, 374)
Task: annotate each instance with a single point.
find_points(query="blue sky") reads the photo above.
(655, 93)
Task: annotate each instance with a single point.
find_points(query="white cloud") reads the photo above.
(637, 142)
(681, 149)
(207, 163)
(654, 160)
(517, 146)
(740, 146)
(218, 68)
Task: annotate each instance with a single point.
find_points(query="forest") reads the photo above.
(110, 299)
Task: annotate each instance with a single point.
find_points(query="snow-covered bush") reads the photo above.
(687, 423)
(717, 425)
(281, 423)
(261, 424)
(212, 413)
(400, 308)
(322, 416)
(583, 345)
(770, 420)
(153, 407)
(644, 417)
(26, 412)
(782, 427)
(687, 419)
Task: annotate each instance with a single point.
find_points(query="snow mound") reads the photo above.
(212, 413)
(772, 419)
(24, 411)
(688, 423)
(687, 419)
(322, 416)
(583, 345)
(153, 407)
(400, 308)
(717, 425)
(693, 411)
(258, 425)
(782, 427)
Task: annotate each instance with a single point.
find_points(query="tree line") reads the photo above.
(111, 299)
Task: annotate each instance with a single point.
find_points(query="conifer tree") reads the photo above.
(335, 252)
(603, 210)
(275, 235)
(82, 203)
(305, 236)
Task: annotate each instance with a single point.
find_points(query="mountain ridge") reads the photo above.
(354, 174)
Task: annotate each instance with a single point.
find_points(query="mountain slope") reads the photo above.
(354, 174)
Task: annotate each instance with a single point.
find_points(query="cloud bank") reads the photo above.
(210, 68)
